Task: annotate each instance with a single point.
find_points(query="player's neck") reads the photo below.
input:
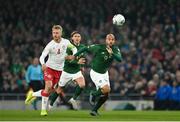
(77, 44)
(57, 40)
(35, 65)
(109, 45)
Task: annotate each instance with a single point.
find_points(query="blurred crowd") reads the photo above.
(149, 40)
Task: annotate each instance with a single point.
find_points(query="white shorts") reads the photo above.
(65, 77)
(99, 80)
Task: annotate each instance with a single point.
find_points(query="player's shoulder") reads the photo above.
(71, 45)
(51, 42)
(115, 47)
(65, 40)
(30, 66)
(82, 45)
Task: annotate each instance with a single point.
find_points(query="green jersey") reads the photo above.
(72, 66)
(102, 59)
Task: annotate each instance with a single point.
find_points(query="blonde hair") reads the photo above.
(57, 27)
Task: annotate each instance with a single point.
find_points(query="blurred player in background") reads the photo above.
(104, 54)
(56, 52)
(72, 72)
(34, 77)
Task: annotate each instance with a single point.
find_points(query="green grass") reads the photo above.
(68, 115)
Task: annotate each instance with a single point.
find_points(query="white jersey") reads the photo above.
(56, 52)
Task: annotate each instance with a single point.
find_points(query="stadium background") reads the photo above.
(149, 41)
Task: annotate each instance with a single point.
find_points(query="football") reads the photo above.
(118, 20)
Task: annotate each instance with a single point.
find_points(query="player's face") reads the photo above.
(35, 61)
(76, 38)
(56, 33)
(110, 40)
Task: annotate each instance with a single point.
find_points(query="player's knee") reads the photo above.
(59, 90)
(48, 86)
(81, 82)
(106, 90)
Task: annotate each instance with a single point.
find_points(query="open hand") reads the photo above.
(109, 50)
(81, 61)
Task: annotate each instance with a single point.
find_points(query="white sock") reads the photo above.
(37, 94)
(44, 103)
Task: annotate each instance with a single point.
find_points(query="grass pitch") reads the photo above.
(68, 115)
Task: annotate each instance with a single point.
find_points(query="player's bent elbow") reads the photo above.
(59, 90)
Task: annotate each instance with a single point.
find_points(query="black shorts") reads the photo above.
(36, 85)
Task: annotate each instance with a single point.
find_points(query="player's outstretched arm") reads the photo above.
(117, 57)
(76, 61)
(84, 49)
(91, 48)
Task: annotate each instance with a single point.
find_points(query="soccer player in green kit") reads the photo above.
(104, 54)
(71, 71)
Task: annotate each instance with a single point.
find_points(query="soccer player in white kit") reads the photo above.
(56, 50)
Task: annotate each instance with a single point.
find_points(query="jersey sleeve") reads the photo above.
(74, 61)
(93, 48)
(44, 54)
(117, 54)
(72, 48)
